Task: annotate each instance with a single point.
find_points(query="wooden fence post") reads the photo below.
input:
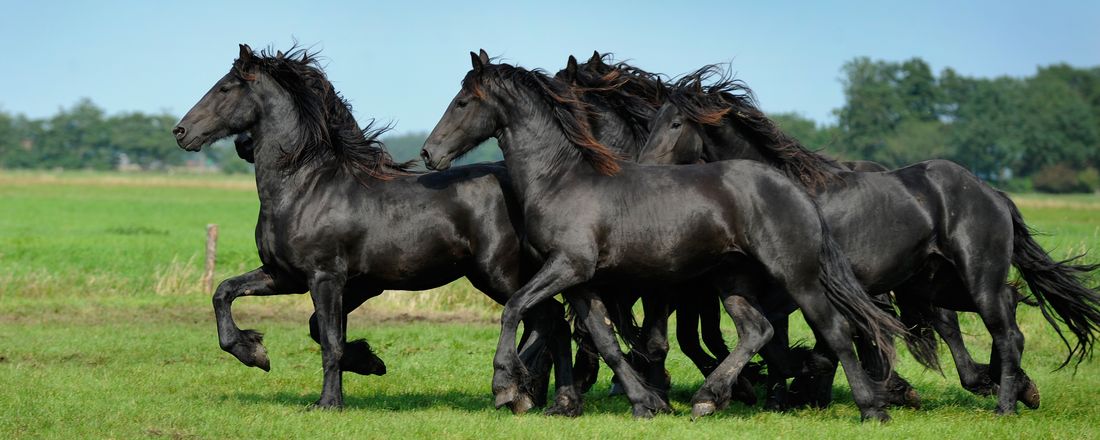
(211, 256)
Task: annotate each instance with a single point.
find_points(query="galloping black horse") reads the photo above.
(623, 100)
(932, 232)
(340, 219)
(598, 222)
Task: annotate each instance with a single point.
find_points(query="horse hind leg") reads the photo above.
(997, 307)
(358, 357)
(753, 331)
(590, 310)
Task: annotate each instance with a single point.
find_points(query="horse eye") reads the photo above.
(676, 125)
(224, 88)
(461, 104)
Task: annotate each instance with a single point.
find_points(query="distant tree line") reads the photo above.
(1041, 132)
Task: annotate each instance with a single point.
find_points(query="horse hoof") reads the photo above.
(506, 396)
(250, 350)
(565, 406)
(874, 415)
(1030, 395)
(643, 412)
(327, 404)
(522, 404)
(702, 409)
(912, 398)
(616, 390)
(360, 359)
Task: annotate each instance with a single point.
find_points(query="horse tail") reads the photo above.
(846, 294)
(921, 336)
(1057, 287)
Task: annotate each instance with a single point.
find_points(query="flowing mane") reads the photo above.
(329, 133)
(730, 98)
(631, 92)
(568, 111)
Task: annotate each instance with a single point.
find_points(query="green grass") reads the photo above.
(105, 332)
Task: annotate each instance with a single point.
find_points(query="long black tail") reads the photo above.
(1058, 288)
(846, 294)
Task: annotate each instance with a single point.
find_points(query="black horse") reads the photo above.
(597, 222)
(340, 219)
(623, 100)
(931, 232)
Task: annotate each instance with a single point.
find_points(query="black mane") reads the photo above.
(329, 132)
(631, 92)
(570, 113)
(730, 98)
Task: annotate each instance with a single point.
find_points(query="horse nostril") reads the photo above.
(426, 156)
(179, 131)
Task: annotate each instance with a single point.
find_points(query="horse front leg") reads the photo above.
(557, 274)
(326, 289)
(246, 345)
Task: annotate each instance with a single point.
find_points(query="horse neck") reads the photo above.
(613, 130)
(536, 152)
(274, 135)
(725, 142)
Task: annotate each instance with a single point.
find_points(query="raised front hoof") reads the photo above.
(249, 349)
(703, 409)
(874, 415)
(565, 406)
(360, 359)
(1029, 396)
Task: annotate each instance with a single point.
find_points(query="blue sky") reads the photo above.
(401, 61)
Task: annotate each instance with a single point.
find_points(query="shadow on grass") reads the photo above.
(596, 401)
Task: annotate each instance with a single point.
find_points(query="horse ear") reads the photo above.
(246, 54)
(698, 85)
(484, 56)
(476, 62)
(571, 69)
(596, 57)
(280, 54)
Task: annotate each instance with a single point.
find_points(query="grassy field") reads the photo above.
(105, 333)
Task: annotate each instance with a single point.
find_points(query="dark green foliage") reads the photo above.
(1060, 178)
(1003, 129)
